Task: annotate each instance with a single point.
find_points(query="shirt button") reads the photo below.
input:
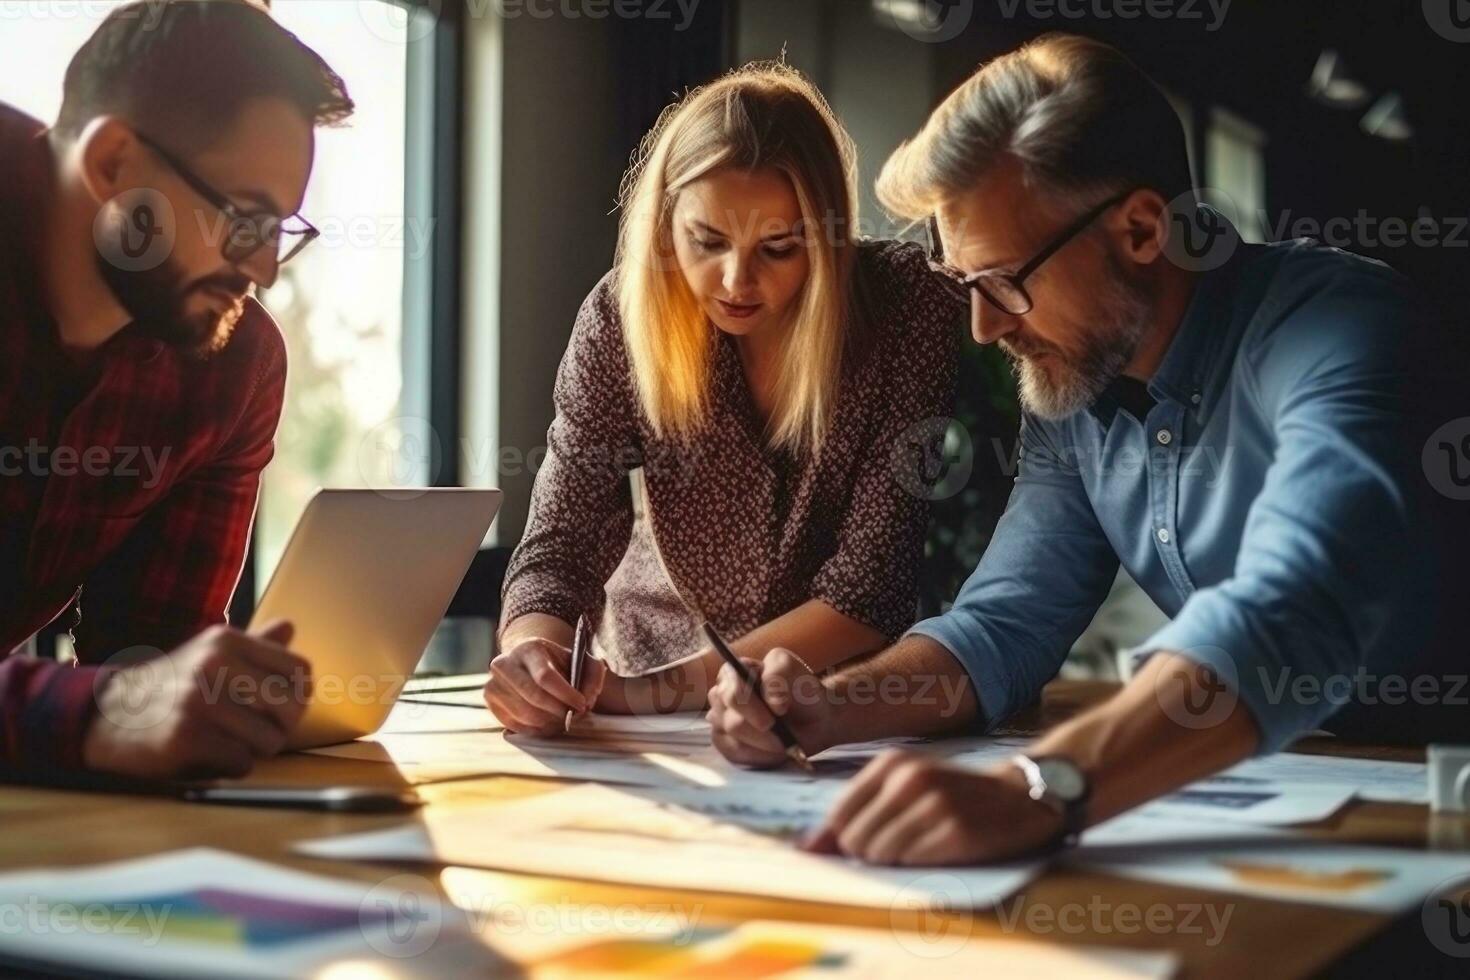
(1163, 535)
(1194, 399)
(1165, 437)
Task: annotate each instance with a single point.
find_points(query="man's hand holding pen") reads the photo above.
(742, 726)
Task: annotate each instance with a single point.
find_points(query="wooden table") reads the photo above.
(1263, 939)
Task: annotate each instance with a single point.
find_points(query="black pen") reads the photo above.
(793, 747)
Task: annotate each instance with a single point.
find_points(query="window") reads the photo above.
(1235, 162)
(341, 304)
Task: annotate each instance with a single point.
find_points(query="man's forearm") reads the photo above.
(1165, 729)
(915, 687)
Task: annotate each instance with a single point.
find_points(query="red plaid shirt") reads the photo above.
(134, 491)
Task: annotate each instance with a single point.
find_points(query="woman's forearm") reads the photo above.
(820, 635)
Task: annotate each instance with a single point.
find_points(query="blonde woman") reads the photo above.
(765, 371)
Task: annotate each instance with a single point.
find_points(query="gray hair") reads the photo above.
(1081, 119)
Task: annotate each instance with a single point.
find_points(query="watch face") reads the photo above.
(1063, 779)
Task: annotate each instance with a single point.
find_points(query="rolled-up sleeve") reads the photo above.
(1047, 570)
(581, 510)
(1329, 546)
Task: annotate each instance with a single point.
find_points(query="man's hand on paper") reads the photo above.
(528, 690)
(741, 725)
(910, 809)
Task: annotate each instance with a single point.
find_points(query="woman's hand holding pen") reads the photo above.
(528, 690)
(741, 725)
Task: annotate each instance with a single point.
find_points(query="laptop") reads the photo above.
(366, 579)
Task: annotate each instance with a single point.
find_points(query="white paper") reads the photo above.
(408, 717)
(468, 699)
(1371, 779)
(143, 917)
(605, 834)
(451, 682)
(454, 755)
(659, 750)
(1292, 869)
(1251, 800)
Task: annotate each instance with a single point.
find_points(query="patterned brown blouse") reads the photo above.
(747, 532)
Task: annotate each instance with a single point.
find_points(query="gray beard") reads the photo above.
(1074, 383)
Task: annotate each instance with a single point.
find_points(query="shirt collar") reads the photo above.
(1184, 375)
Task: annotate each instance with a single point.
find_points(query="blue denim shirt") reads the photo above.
(1265, 502)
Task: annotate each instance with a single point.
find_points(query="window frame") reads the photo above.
(432, 304)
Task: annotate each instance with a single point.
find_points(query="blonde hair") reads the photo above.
(762, 116)
(1081, 119)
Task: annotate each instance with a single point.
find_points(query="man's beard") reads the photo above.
(1070, 382)
(157, 302)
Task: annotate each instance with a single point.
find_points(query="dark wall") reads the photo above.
(1320, 165)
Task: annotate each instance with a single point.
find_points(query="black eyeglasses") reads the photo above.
(249, 231)
(1006, 291)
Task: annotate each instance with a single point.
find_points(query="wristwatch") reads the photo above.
(1062, 785)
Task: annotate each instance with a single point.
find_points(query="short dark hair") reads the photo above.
(184, 68)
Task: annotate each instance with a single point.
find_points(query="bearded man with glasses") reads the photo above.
(1255, 432)
(141, 385)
